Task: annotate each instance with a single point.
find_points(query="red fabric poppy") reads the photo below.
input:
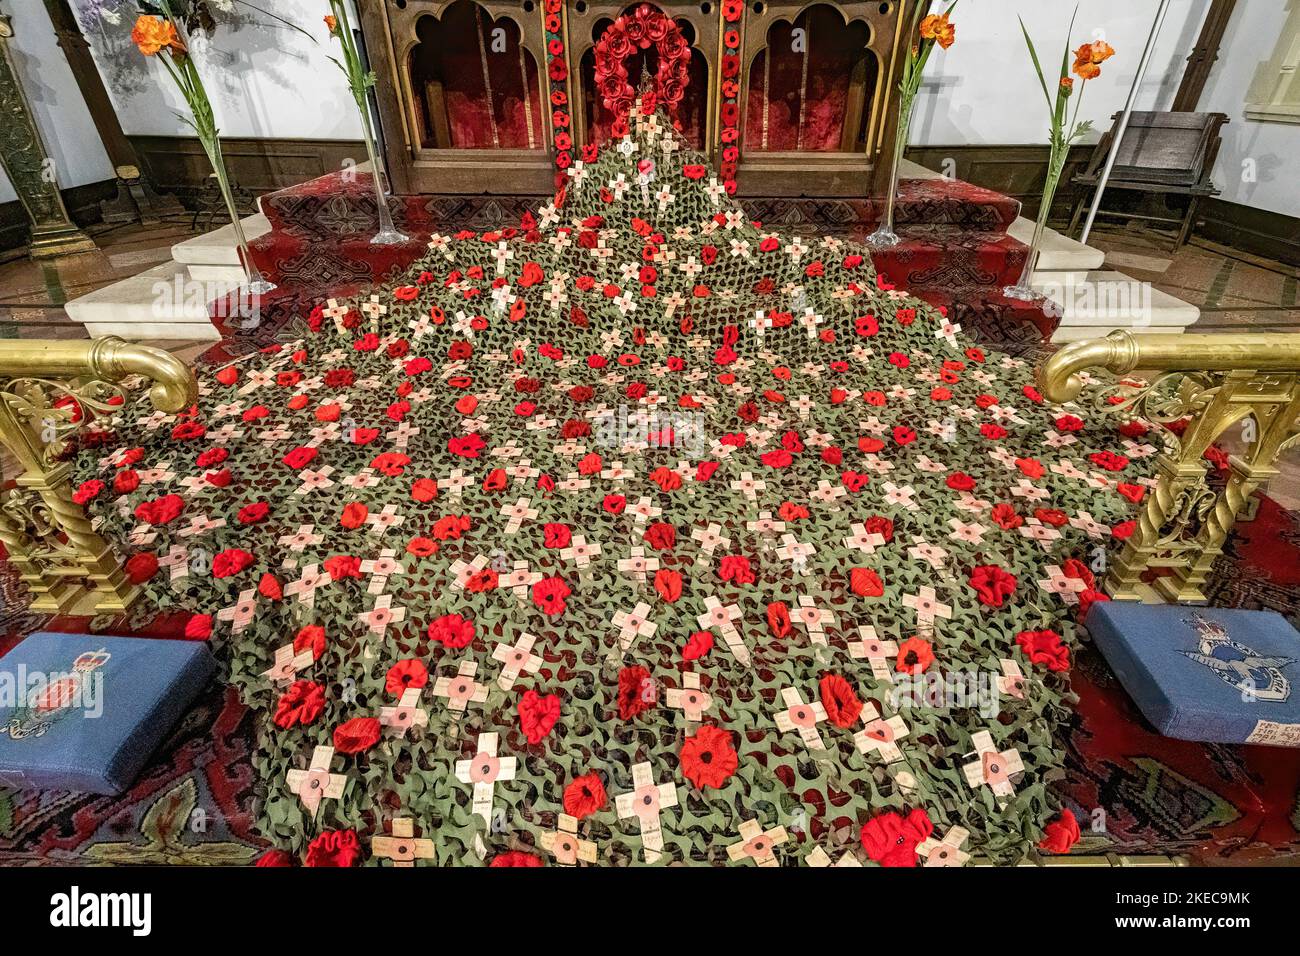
(516, 857)
(409, 673)
(301, 704)
(198, 627)
(708, 758)
(310, 636)
(839, 701)
(160, 511)
(253, 513)
(87, 491)
(661, 536)
(637, 692)
(357, 735)
(992, 584)
(914, 655)
(452, 630)
(891, 838)
(141, 566)
(668, 583)
(865, 582)
(778, 619)
(556, 535)
(538, 714)
(354, 515)
(230, 562)
(273, 858)
(342, 566)
(584, 796)
(736, 569)
(699, 644)
(334, 848)
(1045, 647)
(1061, 834)
(549, 594)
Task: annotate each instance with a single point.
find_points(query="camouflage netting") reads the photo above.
(826, 482)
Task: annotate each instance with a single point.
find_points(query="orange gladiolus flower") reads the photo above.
(332, 22)
(154, 34)
(937, 27)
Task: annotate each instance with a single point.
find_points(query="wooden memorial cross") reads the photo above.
(757, 844)
(483, 770)
(515, 658)
(879, 735)
(689, 698)
(565, 845)
(723, 617)
(992, 768)
(1012, 681)
(945, 852)
(316, 783)
(878, 653)
(819, 857)
(644, 802)
(287, 663)
(402, 848)
(462, 689)
(407, 713)
(802, 718)
(633, 624)
(814, 619)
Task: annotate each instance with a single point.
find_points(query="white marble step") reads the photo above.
(163, 302)
(219, 248)
(1112, 300)
(1058, 253)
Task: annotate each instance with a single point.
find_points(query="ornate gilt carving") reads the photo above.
(49, 393)
(1211, 383)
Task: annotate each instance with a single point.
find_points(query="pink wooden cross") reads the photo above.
(644, 802)
(801, 717)
(316, 783)
(877, 653)
(814, 619)
(722, 617)
(461, 690)
(407, 713)
(287, 663)
(1012, 681)
(945, 852)
(879, 735)
(515, 658)
(757, 844)
(483, 770)
(689, 698)
(992, 768)
(402, 848)
(566, 846)
(633, 624)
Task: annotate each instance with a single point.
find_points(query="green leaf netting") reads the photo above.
(791, 408)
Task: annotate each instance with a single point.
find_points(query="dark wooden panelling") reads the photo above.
(1016, 171)
(1271, 235)
(178, 164)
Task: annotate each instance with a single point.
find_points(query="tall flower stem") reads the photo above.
(884, 237)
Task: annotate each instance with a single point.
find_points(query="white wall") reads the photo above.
(61, 115)
(983, 90)
(264, 78)
(1268, 153)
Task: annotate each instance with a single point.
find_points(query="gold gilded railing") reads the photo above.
(1210, 383)
(49, 392)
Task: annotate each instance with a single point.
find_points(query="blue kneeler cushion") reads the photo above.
(1208, 674)
(85, 712)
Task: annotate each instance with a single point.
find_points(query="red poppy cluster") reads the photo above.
(729, 109)
(640, 30)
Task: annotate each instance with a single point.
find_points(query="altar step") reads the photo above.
(1106, 300)
(214, 256)
(165, 302)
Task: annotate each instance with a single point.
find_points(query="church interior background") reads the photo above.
(754, 432)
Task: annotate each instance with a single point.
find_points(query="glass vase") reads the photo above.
(1023, 290)
(254, 282)
(388, 234)
(884, 237)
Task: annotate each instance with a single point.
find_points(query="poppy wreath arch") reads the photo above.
(640, 30)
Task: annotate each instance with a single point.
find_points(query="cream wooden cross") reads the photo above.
(380, 569)
(802, 718)
(461, 690)
(483, 770)
(689, 698)
(876, 652)
(462, 571)
(633, 624)
(407, 713)
(721, 617)
(287, 663)
(819, 857)
(645, 802)
(945, 852)
(879, 735)
(515, 658)
(757, 844)
(316, 783)
(992, 768)
(336, 312)
(927, 606)
(565, 845)
(814, 619)
(517, 514)
(402, 848)
(637, 565)
(1012, 681)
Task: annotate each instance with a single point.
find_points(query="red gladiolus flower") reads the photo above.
(584, 796)
(334, 848)
(452, 630)
(357, 735)
(840, 702)
(891, 839)
(708, 758)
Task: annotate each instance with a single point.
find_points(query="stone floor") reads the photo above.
(1235, 292)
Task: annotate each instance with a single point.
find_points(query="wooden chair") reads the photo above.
(1165, 153)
